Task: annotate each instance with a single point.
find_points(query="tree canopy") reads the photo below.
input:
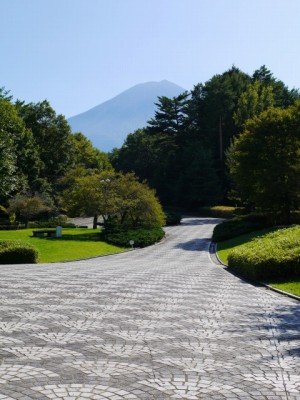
(264, 161)
(38, 150)
(114, 196)
(181, 153)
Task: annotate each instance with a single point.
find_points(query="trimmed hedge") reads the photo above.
(241, 225)
(142, 236)
(17, 252)
(49, 224)
(221, 211)
(11, 227)
(273, 256)
(172, 218)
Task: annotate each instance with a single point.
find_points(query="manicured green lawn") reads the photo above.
(223, 249)
(73, 245)
(289, 287)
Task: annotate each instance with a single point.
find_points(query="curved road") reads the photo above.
(158, 323)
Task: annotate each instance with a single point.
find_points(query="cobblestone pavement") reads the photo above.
(158, 323)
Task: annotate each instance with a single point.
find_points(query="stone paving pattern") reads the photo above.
(158, 323)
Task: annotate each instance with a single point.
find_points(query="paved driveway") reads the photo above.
(158, 323)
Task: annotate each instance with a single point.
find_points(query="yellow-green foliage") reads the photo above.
(221, 211)
(17, 252)
(275, 255)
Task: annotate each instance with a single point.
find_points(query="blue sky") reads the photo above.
(80, 53)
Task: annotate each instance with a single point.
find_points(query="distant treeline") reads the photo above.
(190, 152)
(38, 152)
(182, 152)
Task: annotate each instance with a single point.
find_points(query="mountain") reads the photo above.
(108, 124)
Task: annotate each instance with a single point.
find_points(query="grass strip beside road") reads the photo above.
(73, 245)
(223, 248)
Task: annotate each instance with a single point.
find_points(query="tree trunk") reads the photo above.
(95, 221)
(221, 139)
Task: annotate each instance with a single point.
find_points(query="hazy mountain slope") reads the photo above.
(108, 124)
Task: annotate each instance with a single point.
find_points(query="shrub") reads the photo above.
(17, 252)
(241, 225)
(172, 218)
(295, 217)
(221, 211)
(273, 256)
(142, 236)
(60, 220)
(49, 224)
(4, 213)
(11, 227)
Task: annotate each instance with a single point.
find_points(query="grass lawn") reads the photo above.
(289, 287)
(223, 248)
(74, 244)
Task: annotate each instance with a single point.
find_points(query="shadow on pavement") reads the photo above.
(286, 327)
(194, 245)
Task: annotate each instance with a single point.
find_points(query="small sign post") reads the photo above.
(58, 231)
(131, 242)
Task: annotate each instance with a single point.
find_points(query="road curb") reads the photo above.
(216, 260)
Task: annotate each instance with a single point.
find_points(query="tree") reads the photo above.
(264, 161)
(12, 130)
(85, 155)
(198, 182)
(170, 117)
(4, 94)
(283, 97)
(137, 154)
(8, 169)
(256, 98)
(168, 130)
(136, 202)
(181, 153)
(113, 196)
(27, 207)
(216, 102)
(52, 136)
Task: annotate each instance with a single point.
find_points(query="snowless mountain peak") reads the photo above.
(108, 124)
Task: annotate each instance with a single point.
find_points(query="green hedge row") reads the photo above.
(221, 211)
(275, 255)
(49, 224)
(17, 252)
(241, 225)
(142, 236)
(11, 227)
(172, 218)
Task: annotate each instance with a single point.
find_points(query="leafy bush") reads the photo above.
(172, 218)
(142, 236)
(60, 220)
(11, 227)
(273, 256)
(221, 211)
(241, 225)
(4, 213)
(295, 217)
(49, 224)
(17, 252)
